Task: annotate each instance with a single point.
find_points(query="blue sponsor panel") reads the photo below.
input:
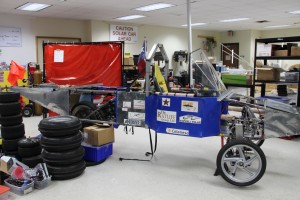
(187, 116)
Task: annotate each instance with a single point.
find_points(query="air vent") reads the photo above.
(262, 21)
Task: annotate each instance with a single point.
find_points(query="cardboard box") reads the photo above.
(8, 164)
(128, 61)
(268, 74)
(99, 135)
(295, 51)
(242, 79)
(281, 53)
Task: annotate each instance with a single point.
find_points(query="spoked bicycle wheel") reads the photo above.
(241, 163)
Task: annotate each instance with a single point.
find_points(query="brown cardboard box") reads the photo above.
(281, 53)
(268, 74)
(295, 51)
(99, 135)
(128, 61)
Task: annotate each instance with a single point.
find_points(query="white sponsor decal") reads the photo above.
(125, 109)
(166, 102)
(132, 122)
(126, 104)
(166, 116)
(139, 104)
(177, 131)
(189, 106)
(190, 119)
(136, 115)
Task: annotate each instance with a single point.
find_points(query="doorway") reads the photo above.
(227, 50)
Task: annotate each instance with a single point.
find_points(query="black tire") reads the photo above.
(60, 123)
(62, 140)
(11, 120)
(11, 145)
(67, 176)
(29, 142)
(57, 148)
(6, 97)
(228, 152)
(79, 152)
(29, 152)
(65, 162)
(12, 132)
(11, 153)
(11, 108)
(58, 170)
(27, 112)
(59, 133)
(83, 109)
(31, 162)
(90, 163)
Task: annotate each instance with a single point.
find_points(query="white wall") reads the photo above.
(173, 39)
(244, 40)
(32, 27)
(26, 53)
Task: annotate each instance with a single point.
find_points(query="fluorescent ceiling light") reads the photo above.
(33, 6)
(195, 24)
(277, 26)
(295, 12)
(156, 6)
(234, 20)
(129, 17)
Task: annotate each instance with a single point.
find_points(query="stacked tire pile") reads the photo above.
(12, 128)
(61, 143)
(29, 150)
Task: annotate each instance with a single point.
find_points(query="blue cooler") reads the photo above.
(97, 153)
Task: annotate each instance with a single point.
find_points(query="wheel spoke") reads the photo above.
(246, 170)
(241, 152)
(232, 159)
(248, 162)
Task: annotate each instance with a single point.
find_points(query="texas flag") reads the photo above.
(142, 60)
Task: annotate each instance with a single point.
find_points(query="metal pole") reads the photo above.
(189, 41)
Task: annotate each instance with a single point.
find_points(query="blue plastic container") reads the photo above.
(96, 154)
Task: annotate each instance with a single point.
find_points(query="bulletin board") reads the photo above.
(83, 63)
(10, 37)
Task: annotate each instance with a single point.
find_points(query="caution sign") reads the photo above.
(129, 34)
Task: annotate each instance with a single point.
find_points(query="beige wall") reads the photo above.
(32, 27)
(173, 38)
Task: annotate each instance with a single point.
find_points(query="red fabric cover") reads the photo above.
(16, 72)
(84, 64)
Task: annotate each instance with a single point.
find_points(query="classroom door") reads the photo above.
(229, 49)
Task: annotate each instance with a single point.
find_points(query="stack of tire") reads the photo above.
(61, 143)
(12, 128)
(29, 150)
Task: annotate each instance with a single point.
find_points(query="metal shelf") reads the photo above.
(277, 57)
(265, 58)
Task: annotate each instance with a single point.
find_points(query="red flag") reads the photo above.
(16, 72)
(142, 60)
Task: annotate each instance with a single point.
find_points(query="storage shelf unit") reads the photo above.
(266, 58)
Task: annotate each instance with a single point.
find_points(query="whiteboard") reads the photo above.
(10, 37)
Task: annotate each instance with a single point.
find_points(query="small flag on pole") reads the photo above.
(16, 72)
(142, 60)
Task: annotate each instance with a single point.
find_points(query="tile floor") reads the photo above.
(182, 169)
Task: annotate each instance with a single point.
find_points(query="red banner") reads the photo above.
(83, 64)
